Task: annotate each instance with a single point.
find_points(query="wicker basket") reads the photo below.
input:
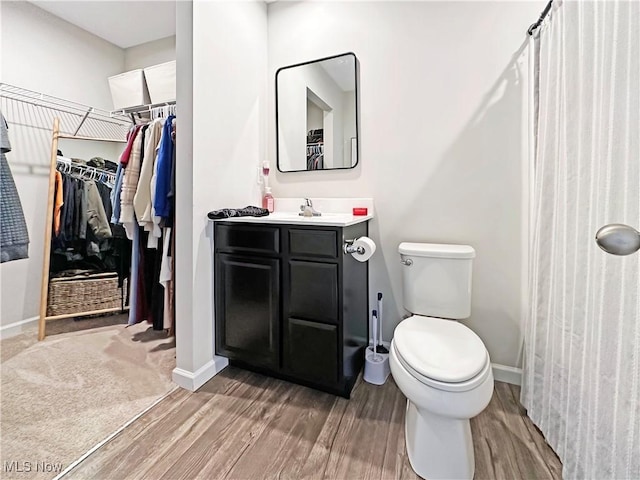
(83, 293)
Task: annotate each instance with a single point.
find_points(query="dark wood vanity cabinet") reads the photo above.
(290, 303)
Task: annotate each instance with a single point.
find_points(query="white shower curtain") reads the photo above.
(581, 381)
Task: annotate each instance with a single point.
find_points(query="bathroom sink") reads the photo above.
(322, 217)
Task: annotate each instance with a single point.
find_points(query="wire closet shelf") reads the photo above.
(38, 110)
(143, 113)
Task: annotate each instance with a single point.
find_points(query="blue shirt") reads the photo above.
(162, 204)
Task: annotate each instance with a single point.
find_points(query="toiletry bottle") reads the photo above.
(267, 199)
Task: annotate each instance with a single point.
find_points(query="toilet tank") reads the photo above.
(437, 279)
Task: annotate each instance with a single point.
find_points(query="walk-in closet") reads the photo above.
(108, 238)
(88, 326)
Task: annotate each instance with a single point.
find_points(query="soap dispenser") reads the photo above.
(267, 199)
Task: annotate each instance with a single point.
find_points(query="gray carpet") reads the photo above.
(61, 396)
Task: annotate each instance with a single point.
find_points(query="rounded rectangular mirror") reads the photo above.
(317, 114)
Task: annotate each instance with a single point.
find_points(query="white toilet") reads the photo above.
(440, 365)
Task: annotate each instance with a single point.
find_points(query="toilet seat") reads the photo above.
(443, 354)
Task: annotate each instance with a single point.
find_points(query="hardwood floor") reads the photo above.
(506, 443)
(242, 425)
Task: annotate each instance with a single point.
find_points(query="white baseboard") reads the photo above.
(194, 380)
(16, 328)
(503, 373)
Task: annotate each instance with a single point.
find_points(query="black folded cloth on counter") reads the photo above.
(238, 212)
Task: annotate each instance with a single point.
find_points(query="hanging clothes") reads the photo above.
(122, 164)
(315, 149)
(82, 236)
(14, 236)
(58, 201)
(130, 183)
(163, 207)
(124, 158)
(145, 180)
(115, 195)
(96, 215)
(166, 278)
(133, 284)
(142, 199)
(153, 290)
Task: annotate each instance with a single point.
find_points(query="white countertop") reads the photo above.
(333, 212)
(292, 218)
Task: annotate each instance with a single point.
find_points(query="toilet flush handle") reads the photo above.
(408, 262)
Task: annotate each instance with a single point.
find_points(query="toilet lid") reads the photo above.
(443, 350)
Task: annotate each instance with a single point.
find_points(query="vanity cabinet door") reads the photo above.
(310, 351)
(247, 309)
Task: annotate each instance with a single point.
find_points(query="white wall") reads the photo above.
(349, 123)
(229, 138)
(440, 137)
(43, 53)
(314, 116)
(150, 53)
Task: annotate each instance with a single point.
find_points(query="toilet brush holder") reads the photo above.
(376, 367)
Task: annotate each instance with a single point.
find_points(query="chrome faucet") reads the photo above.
(307, 210)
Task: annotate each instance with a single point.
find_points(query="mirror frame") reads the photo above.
(357, 112)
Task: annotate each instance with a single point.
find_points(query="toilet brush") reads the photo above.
(380, 348)
(374, 339)
(376, 365)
